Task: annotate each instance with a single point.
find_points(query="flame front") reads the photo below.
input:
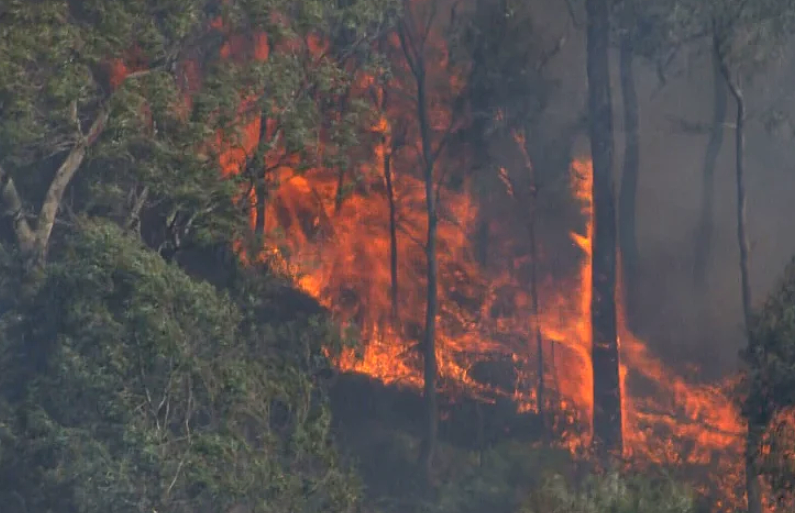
(337, 248)
(342, 259)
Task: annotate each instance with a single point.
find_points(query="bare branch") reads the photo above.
(63, 176)
(13, 208)
(408, 49)
(693, 127)
(429, 24)
(134, 216)
(547, 56)
(573, 15)
(176, 473)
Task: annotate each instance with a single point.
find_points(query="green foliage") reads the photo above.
(745, 34)
(60, 71)
(769, 385)
(506, 81)
(498, 480)
(513, 477)
(611, 494)
(509, 92)
(126, 384)
(132, 387)
(55, 58)
(771, 353)
(751, 34)
(501, 481)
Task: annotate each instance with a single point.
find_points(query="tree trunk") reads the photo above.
(45, 221)
(340, 197)
(412, 50)
(15, 211)
(752, 485)
(340, 184)
(262, 196)
(256, 172)
(607, 436)
(260, 188)
(52, 201)
(393, 246)
(35, 243)
(541, 395)
(627, 214)
(534, 292)
(429, 343)
(132, 223)
(704, 234)
(753, 438)
(390, 146)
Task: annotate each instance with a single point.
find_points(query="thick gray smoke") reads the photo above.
(681, 325)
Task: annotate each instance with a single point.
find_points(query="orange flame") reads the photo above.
(337, 249)
(342, 260)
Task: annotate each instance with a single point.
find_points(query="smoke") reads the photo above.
(680, 324)
(708, 334)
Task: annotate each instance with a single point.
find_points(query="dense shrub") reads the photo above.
(131, 387)
(611, 493)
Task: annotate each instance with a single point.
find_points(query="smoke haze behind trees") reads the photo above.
(675, 122)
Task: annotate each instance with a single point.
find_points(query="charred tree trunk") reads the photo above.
(704, 234)
(390, 146)
(393, 247)
(340, 196)
(753, 488)
(607, 436)
(255, 171)
(412, 46)
(261, 191)
(534, 292)
(429, 344)
(482, 106)
(541, 391)
(753, 438)
(259, 181)
(627, 206)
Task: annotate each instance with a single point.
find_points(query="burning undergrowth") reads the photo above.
(360, 251)
(485, 320)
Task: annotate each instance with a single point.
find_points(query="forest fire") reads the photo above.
(338, 249)
(668, 421)
(199, 197)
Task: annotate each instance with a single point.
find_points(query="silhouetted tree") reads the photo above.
(703, 243)
(417, 25)
(605, 356)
